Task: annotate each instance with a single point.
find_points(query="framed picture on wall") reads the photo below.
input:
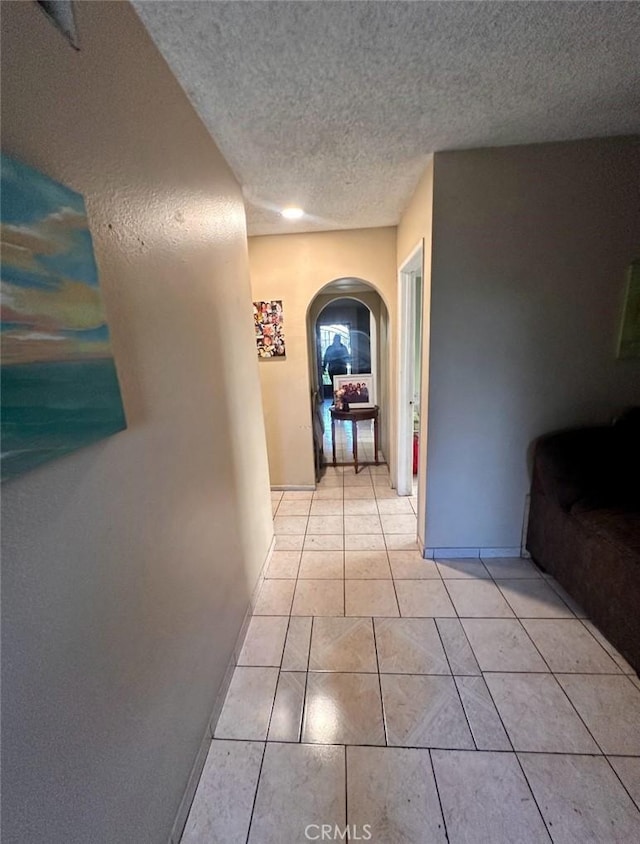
(269, 326)
(357, 390)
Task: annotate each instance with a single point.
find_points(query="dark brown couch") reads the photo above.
(584, 523)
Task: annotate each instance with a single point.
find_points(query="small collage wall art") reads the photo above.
(269, 326)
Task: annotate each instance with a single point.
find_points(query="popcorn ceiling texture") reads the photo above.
(335, 106)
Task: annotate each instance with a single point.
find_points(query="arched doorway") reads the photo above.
(353, 310)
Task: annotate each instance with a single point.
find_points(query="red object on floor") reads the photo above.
(416, 451)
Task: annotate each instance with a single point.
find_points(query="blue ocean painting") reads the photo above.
(59, 387)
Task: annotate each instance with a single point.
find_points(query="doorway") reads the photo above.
(411, 298)
(354, 311)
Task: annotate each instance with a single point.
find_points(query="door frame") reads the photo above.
(409, 269)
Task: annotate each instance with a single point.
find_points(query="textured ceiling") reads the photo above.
(335, 106)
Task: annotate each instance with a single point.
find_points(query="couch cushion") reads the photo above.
(619, 527)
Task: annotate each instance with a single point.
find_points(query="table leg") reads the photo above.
(333, 439)
(355, 444)
(375, 437)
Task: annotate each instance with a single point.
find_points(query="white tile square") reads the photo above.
(628, 769)
(424, 711)
(325, 524)
(247, 706)
(275, 597)
(370, 565)
(358, 492)
(456, 646)
(465, 569)
(325, 565)
(399, 524)
(327, 508)
(423, 598)
(482, 715)
(478, 599)
(409, 646)
(501, 644)
(264, 641)
(297, 495)
(393, 791)
(343, 708)
(286, 718)
(289, 525)
(295, 508)
(537, 715)
(319, 597)
(410, 565)
(533, 599)
(343, 644)
(581, 799)
(485, 798)
(610, 707)
(221, 809)
(395, 507)
(568, 647)
(328, 493)
(364, 542)
(362, 524)
(370, 598)
(286, 804)
(324, 542)
(296, 648)
(284, 564)
(360, 507)
(511, 567)
(289, 542)
(401, 541)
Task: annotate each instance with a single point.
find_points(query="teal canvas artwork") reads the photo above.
(59, 387)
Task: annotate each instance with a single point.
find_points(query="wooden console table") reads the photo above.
(354, 416)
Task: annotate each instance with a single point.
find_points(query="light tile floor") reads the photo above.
(415, 700)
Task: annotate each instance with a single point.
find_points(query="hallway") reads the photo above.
(382, 691)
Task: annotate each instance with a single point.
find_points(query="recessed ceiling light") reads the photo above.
(292, 213)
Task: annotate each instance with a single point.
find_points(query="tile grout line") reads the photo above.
(436, 747)
(535, 799)
(549, 673)
(295, 590)
(558, 683)
(346, 793)
(382, 706)
(635, 802)
(453, 677)
(506, 732)
(306, 682)
(435, 780)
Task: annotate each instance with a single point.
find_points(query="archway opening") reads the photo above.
(347, 331)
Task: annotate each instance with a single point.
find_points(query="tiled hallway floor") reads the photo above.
(413, 700)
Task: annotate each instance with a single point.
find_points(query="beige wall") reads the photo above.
(415, 227)
(295, 268)
(531, 247)
(128, 565)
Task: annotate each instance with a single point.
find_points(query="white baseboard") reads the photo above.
(470, 553)
(201, 757)
(294, 488)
